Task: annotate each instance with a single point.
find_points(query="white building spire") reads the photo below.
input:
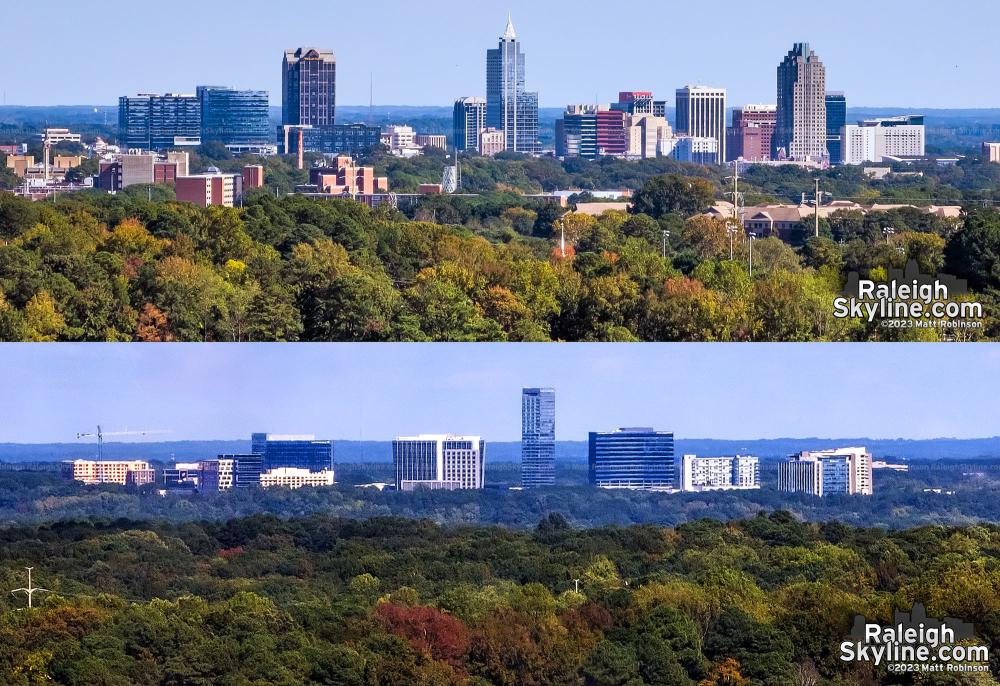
(509, 33)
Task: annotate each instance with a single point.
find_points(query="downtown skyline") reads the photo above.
(375, 392)
(565, 66)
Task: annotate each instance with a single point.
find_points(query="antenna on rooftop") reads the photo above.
(30, 590)
(371, 97)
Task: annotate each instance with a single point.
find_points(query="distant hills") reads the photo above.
(510, 451)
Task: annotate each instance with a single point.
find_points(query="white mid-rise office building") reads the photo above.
(719, 473)
(701, 113)
(843, 471)
(439, 461)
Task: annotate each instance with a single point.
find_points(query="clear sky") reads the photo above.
(923, 53)
(376, 391)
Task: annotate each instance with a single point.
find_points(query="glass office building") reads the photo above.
(509, 108)
(159, 122)
(298, 451)
(439, 461)
(836, 119)
(538, 437)
(234, 117)
(635, 458)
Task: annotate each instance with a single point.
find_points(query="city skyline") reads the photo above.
(565, 67)
(375, 392)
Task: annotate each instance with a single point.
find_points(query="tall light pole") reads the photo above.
(666, 235)
(888, 231)
(731, 230)
(753, 237)
(817, 207)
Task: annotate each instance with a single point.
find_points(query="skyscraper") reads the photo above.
(234, 117)
(309, 87)
(508, 106)
(836, 120)
(469, 120)
(156, 122)
(439, 461)
(800, 128)
(635, 458)
(538, 437)
(701, 113)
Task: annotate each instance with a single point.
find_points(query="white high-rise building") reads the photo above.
(701, 113)
(827, 472)
(439, 461)
(719, 473)
(873, 140)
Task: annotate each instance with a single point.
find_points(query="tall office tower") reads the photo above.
(508, 106)
(751, 133)
(469, 120)
(701, 113)
(538, 437)
(634, 458)
(234, 117)
(299, 451)
(439, 461)
(309, 87)
(800, 130)
(827, 472)
(156, 122)
(836, 120)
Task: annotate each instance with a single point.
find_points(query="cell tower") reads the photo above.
(30, 590)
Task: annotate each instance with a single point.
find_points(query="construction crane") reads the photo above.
(101, 434)
(30, 590)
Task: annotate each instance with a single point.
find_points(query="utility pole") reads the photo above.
(666, 235)
(753, 237)
(562, 238)
(30, 590)
(577, 582)
(817, 207)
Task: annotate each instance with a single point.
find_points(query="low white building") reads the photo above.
(293, 477)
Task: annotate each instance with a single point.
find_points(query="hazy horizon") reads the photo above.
(433, 53)
(376, 391)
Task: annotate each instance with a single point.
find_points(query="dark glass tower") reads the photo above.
(301, 452)
(836, 118)
(158, 122)
(309, 87)
(538, 437)
(508, 106)
(635, 458)
(234, 117)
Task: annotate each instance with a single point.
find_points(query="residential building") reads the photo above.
(431, 140)
(701, 113)
(293, 477)
(344, 177)
(719, 473)
(800, 127)
(873, 140)
(827, 472)
(253, 176)
(991, 152)
(491, 142)
(633, 458)
(121, 472)
(439, 461)
(509, 107)
(309, 87)
(210, 188)
(836, 120)
(132, 169)
(157, 122)
(750, 136)
(234, 117)
(469, 120)
(538, 437)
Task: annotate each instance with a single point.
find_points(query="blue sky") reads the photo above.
(376, 391)
(917, 53)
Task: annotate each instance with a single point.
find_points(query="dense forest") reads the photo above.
(389, 601)
(954, 494)
(138, 266)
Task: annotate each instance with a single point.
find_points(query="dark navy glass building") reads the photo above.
(637, 458)
(234, 117)
(302, 452)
